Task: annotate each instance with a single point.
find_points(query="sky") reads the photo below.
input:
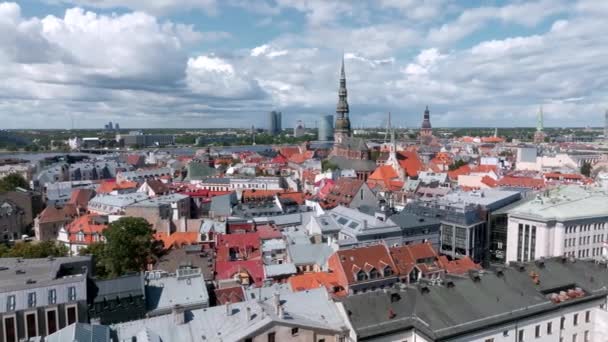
(226, 63)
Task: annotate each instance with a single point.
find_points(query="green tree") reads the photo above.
(129, 246)
(97, 251)
(586, 169)
(328, 165)
(457, 164)
(30, 250)
(13, 181)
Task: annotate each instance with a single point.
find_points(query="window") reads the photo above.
(294, 331)
(388, 271)
(321, 340)
(549, 328)
(31, 299)
(587, 336)
(505, 333)
(10, 329)
(575, 319)
(489, 340)
(537, 331)
(70, 313)
(574, 337)
(249, 339)
(271, 337)
(71, 293)
(521, 336)
(30, 325)
(587, 316)
(51, 321)
(374, 274)
(10, 303)
(52, 296)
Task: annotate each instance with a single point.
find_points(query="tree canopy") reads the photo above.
(13, 181)
(457, 164)
(586, 169)
(30, 250)
(129, 247)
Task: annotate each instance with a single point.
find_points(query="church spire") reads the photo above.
(342, 127)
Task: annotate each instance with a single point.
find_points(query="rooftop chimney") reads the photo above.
(277, 303)
(248, 310)
(228, 308)
(179, 315)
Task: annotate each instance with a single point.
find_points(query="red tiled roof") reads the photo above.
(299, 158)
(343, 192)
(88, 225)
(177, 239)
(458, 266)
(289, 151)
(56, 214)
(135, 159)
(523, 182)
(297, 197)
(314, 280)
(80, 197)
(410, 162)
(279, 159)
(362, 258)
(489, 181)
(247, 244)
(228, 269)
(407, 257)
(267, 232)
(463, 170)
(110, 185)
(229, 295)
(485, 168)
(251, 194)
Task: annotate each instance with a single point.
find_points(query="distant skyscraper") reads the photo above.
(539, 135)
(274, 123)
(342, 128)
(326, 128)
(299, 130)
(116, 126)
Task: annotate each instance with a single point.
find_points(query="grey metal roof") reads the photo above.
(81, 332)
(121, 287)
(407, 220)
(311, 309)
(186, 288)
(20, 274)
(279, 270)
(470, 305)
(354, 164)
(309, 254)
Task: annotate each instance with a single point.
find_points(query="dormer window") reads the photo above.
(80, 236)
(388, 271)
(374, 274)
(361, 276)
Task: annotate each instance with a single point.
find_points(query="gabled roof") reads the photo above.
(343, 192)
(55, 214)
(80, 197)
(157, 186)
(410, 162)
(314, 280)
(407, 257)
(177, 239)
(352, 260)
(89, 225)
(463, 170)
(108, 186)
(522, 182)
(458, 266)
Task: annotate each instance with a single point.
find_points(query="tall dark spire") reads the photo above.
(342, 107)
(342, 127)
(426, 121)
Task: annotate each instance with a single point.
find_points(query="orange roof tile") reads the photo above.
(177, 239)
(314, 280)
